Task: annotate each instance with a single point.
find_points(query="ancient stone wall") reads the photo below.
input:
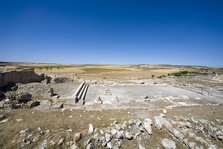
(25, 75)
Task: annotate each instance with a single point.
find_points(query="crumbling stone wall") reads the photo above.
(25, 75)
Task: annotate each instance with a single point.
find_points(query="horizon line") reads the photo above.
(185, 65)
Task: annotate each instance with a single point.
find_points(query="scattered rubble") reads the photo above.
(130, 130)
(58, 80)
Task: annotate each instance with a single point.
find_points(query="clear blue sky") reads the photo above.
(188, 32)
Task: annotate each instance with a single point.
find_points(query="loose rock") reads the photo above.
(74, 146)
(36, 138)
(58, 105)
(90, 128)
(24, 97)
(141, 147)
(147, 125)
(109, 145)
(77, 136)
(113, 131)
(159, 121)
(90, 146)
(24, 131)
(51, 92)
(129, 135)
(108, 137)
(120, 134)
(168, 144)
(32, 104)
(1, 117)
(60, 142)
(19, 120)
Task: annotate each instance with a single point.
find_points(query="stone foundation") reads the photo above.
(25, 75)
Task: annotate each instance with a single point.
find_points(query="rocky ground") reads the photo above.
(170, 112)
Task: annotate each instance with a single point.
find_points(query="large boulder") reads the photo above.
(24, 97)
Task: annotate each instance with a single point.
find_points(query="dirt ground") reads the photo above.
(128, 93)
(59, 122)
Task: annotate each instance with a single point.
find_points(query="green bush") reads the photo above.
(185, 73)
(180, 73)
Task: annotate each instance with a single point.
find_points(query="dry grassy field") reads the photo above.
(114, 71)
